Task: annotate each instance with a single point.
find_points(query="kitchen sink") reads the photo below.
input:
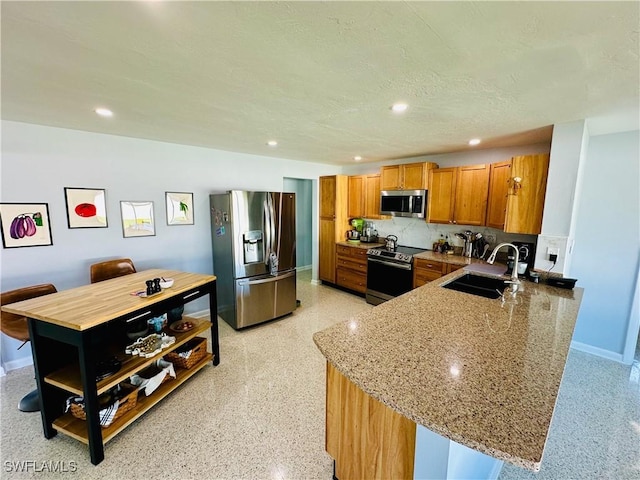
(477, 285)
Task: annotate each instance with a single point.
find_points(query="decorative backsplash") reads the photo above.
(415, 232)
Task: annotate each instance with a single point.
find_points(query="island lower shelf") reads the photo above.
(68, 378)
(77, 428)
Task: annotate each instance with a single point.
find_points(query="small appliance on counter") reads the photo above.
(526, 258)
(369, 233)
(355, 233)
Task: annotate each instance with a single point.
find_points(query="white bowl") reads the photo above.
(166, 283)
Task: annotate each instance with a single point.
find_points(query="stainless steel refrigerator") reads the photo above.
(254, 255)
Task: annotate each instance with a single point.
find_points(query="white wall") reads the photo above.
(607, 242)
(38, 162)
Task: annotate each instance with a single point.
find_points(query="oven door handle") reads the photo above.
(402, 266)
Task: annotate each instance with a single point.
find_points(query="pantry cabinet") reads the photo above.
(409, 176)
(458, 195)
(364, 196)
(525, 201)
(333, 223)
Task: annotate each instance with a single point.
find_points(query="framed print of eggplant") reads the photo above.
(137, 219)
(179, 208)
(25, 225)
(86, 207)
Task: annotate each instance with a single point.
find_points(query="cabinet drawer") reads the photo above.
(352, 252)
(422, 264)
(352, 280)
(421, 277)
(351, 263)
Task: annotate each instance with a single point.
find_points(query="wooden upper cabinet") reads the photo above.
(441, 195)
(409, 176)
(525, 204)
(390, 177)
(472, 189)
(364, 196)
(414, 176)
(498, 191)
(372, 196)
(458, 195)
(356, 196)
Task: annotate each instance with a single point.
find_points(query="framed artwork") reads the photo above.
(179, 208)
(137, 219)
(86, 207)
(25, 225)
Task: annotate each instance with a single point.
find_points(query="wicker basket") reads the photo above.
(198, 348)
(127, 402)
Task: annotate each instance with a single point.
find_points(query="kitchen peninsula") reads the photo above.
(415, 381)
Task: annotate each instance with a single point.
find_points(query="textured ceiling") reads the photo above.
(320, 76)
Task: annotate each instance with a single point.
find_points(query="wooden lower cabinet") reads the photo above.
(425, 271)
(351, 268)
(366, 438)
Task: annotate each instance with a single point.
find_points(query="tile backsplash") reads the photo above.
(415, 232)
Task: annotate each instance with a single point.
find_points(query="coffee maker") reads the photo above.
(526, 253)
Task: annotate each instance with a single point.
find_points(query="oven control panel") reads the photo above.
(397, 256)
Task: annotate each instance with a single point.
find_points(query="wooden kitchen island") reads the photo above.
(74, 329)
(443, 384)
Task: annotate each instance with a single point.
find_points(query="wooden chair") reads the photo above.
(16, 326)
(111, 269)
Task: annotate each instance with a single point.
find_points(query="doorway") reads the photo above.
(303, 188)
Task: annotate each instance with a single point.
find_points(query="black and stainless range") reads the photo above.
(389, 273)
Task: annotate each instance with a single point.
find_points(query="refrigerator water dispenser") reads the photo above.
(253, 251)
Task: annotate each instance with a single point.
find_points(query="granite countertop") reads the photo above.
(484, 373)
(443, 257)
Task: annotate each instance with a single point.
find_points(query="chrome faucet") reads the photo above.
(515, 283)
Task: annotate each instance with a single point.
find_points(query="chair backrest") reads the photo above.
(111, 269)
(15, 325)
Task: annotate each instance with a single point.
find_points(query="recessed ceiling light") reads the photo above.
(272, 143)
(474, 141)
(399, 107)
(357, 158)
(104, 112)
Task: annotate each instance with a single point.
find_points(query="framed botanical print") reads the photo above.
(179, 208)
(25, 225)
(86, 207)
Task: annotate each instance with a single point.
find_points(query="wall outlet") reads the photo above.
(553, 251)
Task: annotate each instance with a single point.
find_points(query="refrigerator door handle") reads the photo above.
(267, 230)
(267, 279)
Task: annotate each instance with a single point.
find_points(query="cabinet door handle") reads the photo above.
(191, 294)
(138, 316)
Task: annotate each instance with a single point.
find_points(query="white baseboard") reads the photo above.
(200, 314)
(2, 372)
(19, 363)
(304, 267)
(600, 352)
(316, 282)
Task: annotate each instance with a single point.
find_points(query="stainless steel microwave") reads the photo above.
(403, 203)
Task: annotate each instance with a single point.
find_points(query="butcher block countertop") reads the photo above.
(94, 304)
(484, 373)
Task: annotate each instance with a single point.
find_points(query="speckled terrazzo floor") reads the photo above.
(260, 414)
